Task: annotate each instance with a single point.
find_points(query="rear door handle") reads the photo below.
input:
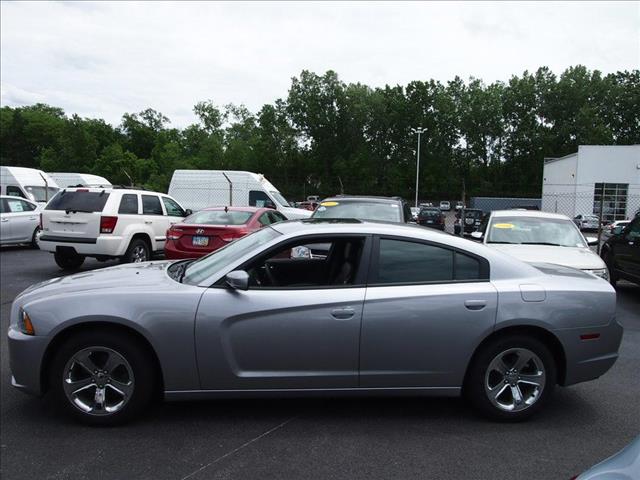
(343, 313)
(475, 304)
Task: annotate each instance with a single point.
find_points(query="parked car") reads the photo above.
(445, 206)
(29, 183)
(621, 253)
(414, 212)
(19, 221)
(615, 227)
(431, 217)
(624, 465)
(460, 205)
(107, 223)
(66, 179)
(472, 219)
(587, 222)
(392, 308)
(198, 189)
(385, 209)
(208, 230)
(540, 237)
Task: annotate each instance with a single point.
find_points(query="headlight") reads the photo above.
(24, 324)
(600, 272)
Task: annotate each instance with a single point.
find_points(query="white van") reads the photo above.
(65, 179)
(198, 189)
(28, 183)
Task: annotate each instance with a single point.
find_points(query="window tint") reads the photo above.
(128, 204)
(3, 206)
(633, 230)
(258, 198)
(13, 191)
(173, 209)
(151, 205)
(276, 217)
(408, 262)
(264, 219)
(467, 268)
(17, 206)
(78, 201)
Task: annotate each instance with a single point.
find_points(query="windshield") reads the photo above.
(41, 194)
(280, 199)
(386, 212)
(535, 231)
(219, 217)
(203, 268)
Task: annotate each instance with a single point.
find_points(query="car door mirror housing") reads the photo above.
(477, 235)
(188, 212)
(592, 241)
(238, 280)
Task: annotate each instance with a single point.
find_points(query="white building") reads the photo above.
(595, 175)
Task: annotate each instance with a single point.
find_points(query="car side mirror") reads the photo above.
(237, 280)
(592, 241)
(477, 235)
(188, 212)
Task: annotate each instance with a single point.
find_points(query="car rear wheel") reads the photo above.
(68, 261)
(511, 378)
(137, 252)
(102, 378)
(34, 238)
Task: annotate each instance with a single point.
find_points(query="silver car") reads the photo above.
(388, 308)
(19, 220)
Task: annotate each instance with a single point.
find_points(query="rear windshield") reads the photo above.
(386, 212)
(429, 213)
(219, 217)
(75, 201)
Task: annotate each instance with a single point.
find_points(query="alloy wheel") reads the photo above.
(515, 379)
(139, 254)
(98, 381)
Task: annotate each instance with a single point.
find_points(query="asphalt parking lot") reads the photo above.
(318, 438)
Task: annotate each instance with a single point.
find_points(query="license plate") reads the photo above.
(429, 221)
(200, 241)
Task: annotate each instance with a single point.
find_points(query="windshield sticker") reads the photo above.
(503, 225)
(329, 204)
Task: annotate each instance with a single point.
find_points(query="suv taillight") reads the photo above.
(108, 224)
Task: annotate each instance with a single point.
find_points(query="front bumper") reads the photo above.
(26, 353)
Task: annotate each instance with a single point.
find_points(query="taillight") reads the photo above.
(108, 224)
(40, 220)
(174, 234)
(230, 237)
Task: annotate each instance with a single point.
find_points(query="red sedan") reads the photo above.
(212, 228)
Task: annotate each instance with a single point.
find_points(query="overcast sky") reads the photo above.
(103, 59)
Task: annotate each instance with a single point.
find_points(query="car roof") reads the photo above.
(113, 189)
(351, 198)
(528, 213)
(237, 209)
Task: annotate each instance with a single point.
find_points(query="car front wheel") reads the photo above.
(102, 378)
(511, 378)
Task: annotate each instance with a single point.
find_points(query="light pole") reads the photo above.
(419, 131)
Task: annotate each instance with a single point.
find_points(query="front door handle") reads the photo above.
(5, 220)
(475, 304)
(343, 313)
(148, 222)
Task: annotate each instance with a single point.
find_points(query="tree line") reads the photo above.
(328, 136)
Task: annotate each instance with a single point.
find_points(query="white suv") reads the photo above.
(106, 223)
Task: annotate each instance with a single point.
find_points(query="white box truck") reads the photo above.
(66, 179)
(198, 189)
(29, 183)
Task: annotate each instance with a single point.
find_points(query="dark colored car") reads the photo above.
(207, 230)
(472, 219)
(386, 209)
(431, 217)
(621, 253)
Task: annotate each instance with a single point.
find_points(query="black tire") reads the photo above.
(613, 277)
(34, 238)
(68, 262)
(136, 248)
(138, 358)
(476, 392)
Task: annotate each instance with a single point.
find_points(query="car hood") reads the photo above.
(295, 213)
(575, 257)
(132, 275)
(624, 465)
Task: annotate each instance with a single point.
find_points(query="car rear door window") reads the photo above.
(173, 209)
(467, 267)
(128, 204)
(78, 201)
(264, 219)
(412, 262)
(151, 205)
(276, 217)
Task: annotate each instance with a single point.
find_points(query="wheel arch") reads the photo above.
(68, 332)
(540, 333)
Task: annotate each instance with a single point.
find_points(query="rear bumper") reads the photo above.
(173, 253)
(110, 246)
(590, 359)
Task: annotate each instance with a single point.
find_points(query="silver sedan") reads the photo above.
(362, 308)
